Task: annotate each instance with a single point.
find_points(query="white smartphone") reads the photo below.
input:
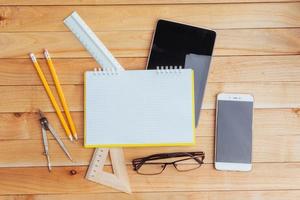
(233, 141)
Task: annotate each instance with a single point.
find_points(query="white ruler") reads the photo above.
(119, 180)
(91, 42)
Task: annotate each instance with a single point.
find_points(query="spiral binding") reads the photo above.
(169, 69)
(159, 70)
(106, 71)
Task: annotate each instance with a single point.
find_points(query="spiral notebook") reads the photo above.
(139, 108)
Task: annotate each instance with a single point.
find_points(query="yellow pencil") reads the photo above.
(60, 93)
(51, 96)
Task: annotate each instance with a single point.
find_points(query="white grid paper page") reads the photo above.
(139, 107)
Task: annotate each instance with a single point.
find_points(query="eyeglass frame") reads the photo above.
(138, 162)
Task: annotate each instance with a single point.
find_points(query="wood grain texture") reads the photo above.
(128, 2)
(223, 69)
(266, 122)
(205, 195)
(39, 180)
(137, 43)
(266, 95)
(279, 149)
(257, 51)
(217, 16)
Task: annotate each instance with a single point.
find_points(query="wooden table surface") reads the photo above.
(257, 51)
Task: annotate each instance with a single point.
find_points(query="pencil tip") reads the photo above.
(75, 136)
(71, 138)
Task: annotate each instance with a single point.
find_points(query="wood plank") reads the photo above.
(39, 180)
(223, 69)
(32, 153)
(266, 122)
(256, 69)
(266, 95)
(136, 43)
(276, 149)
(127, 2)
(70, 71)
(100, 18)
(206, 195)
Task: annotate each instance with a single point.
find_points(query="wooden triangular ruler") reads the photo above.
(119, 178)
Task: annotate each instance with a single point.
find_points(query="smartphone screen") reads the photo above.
(181, 45)
(234, 131)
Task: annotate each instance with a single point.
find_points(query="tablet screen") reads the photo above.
(173, 41)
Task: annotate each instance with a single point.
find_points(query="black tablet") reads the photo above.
(176, 44)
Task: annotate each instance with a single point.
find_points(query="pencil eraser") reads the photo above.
(46, 53)
(33, 58)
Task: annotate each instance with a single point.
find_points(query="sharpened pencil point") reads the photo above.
(71, 138)
(75, 136)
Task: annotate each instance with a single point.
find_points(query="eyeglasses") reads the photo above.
(156, 163)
